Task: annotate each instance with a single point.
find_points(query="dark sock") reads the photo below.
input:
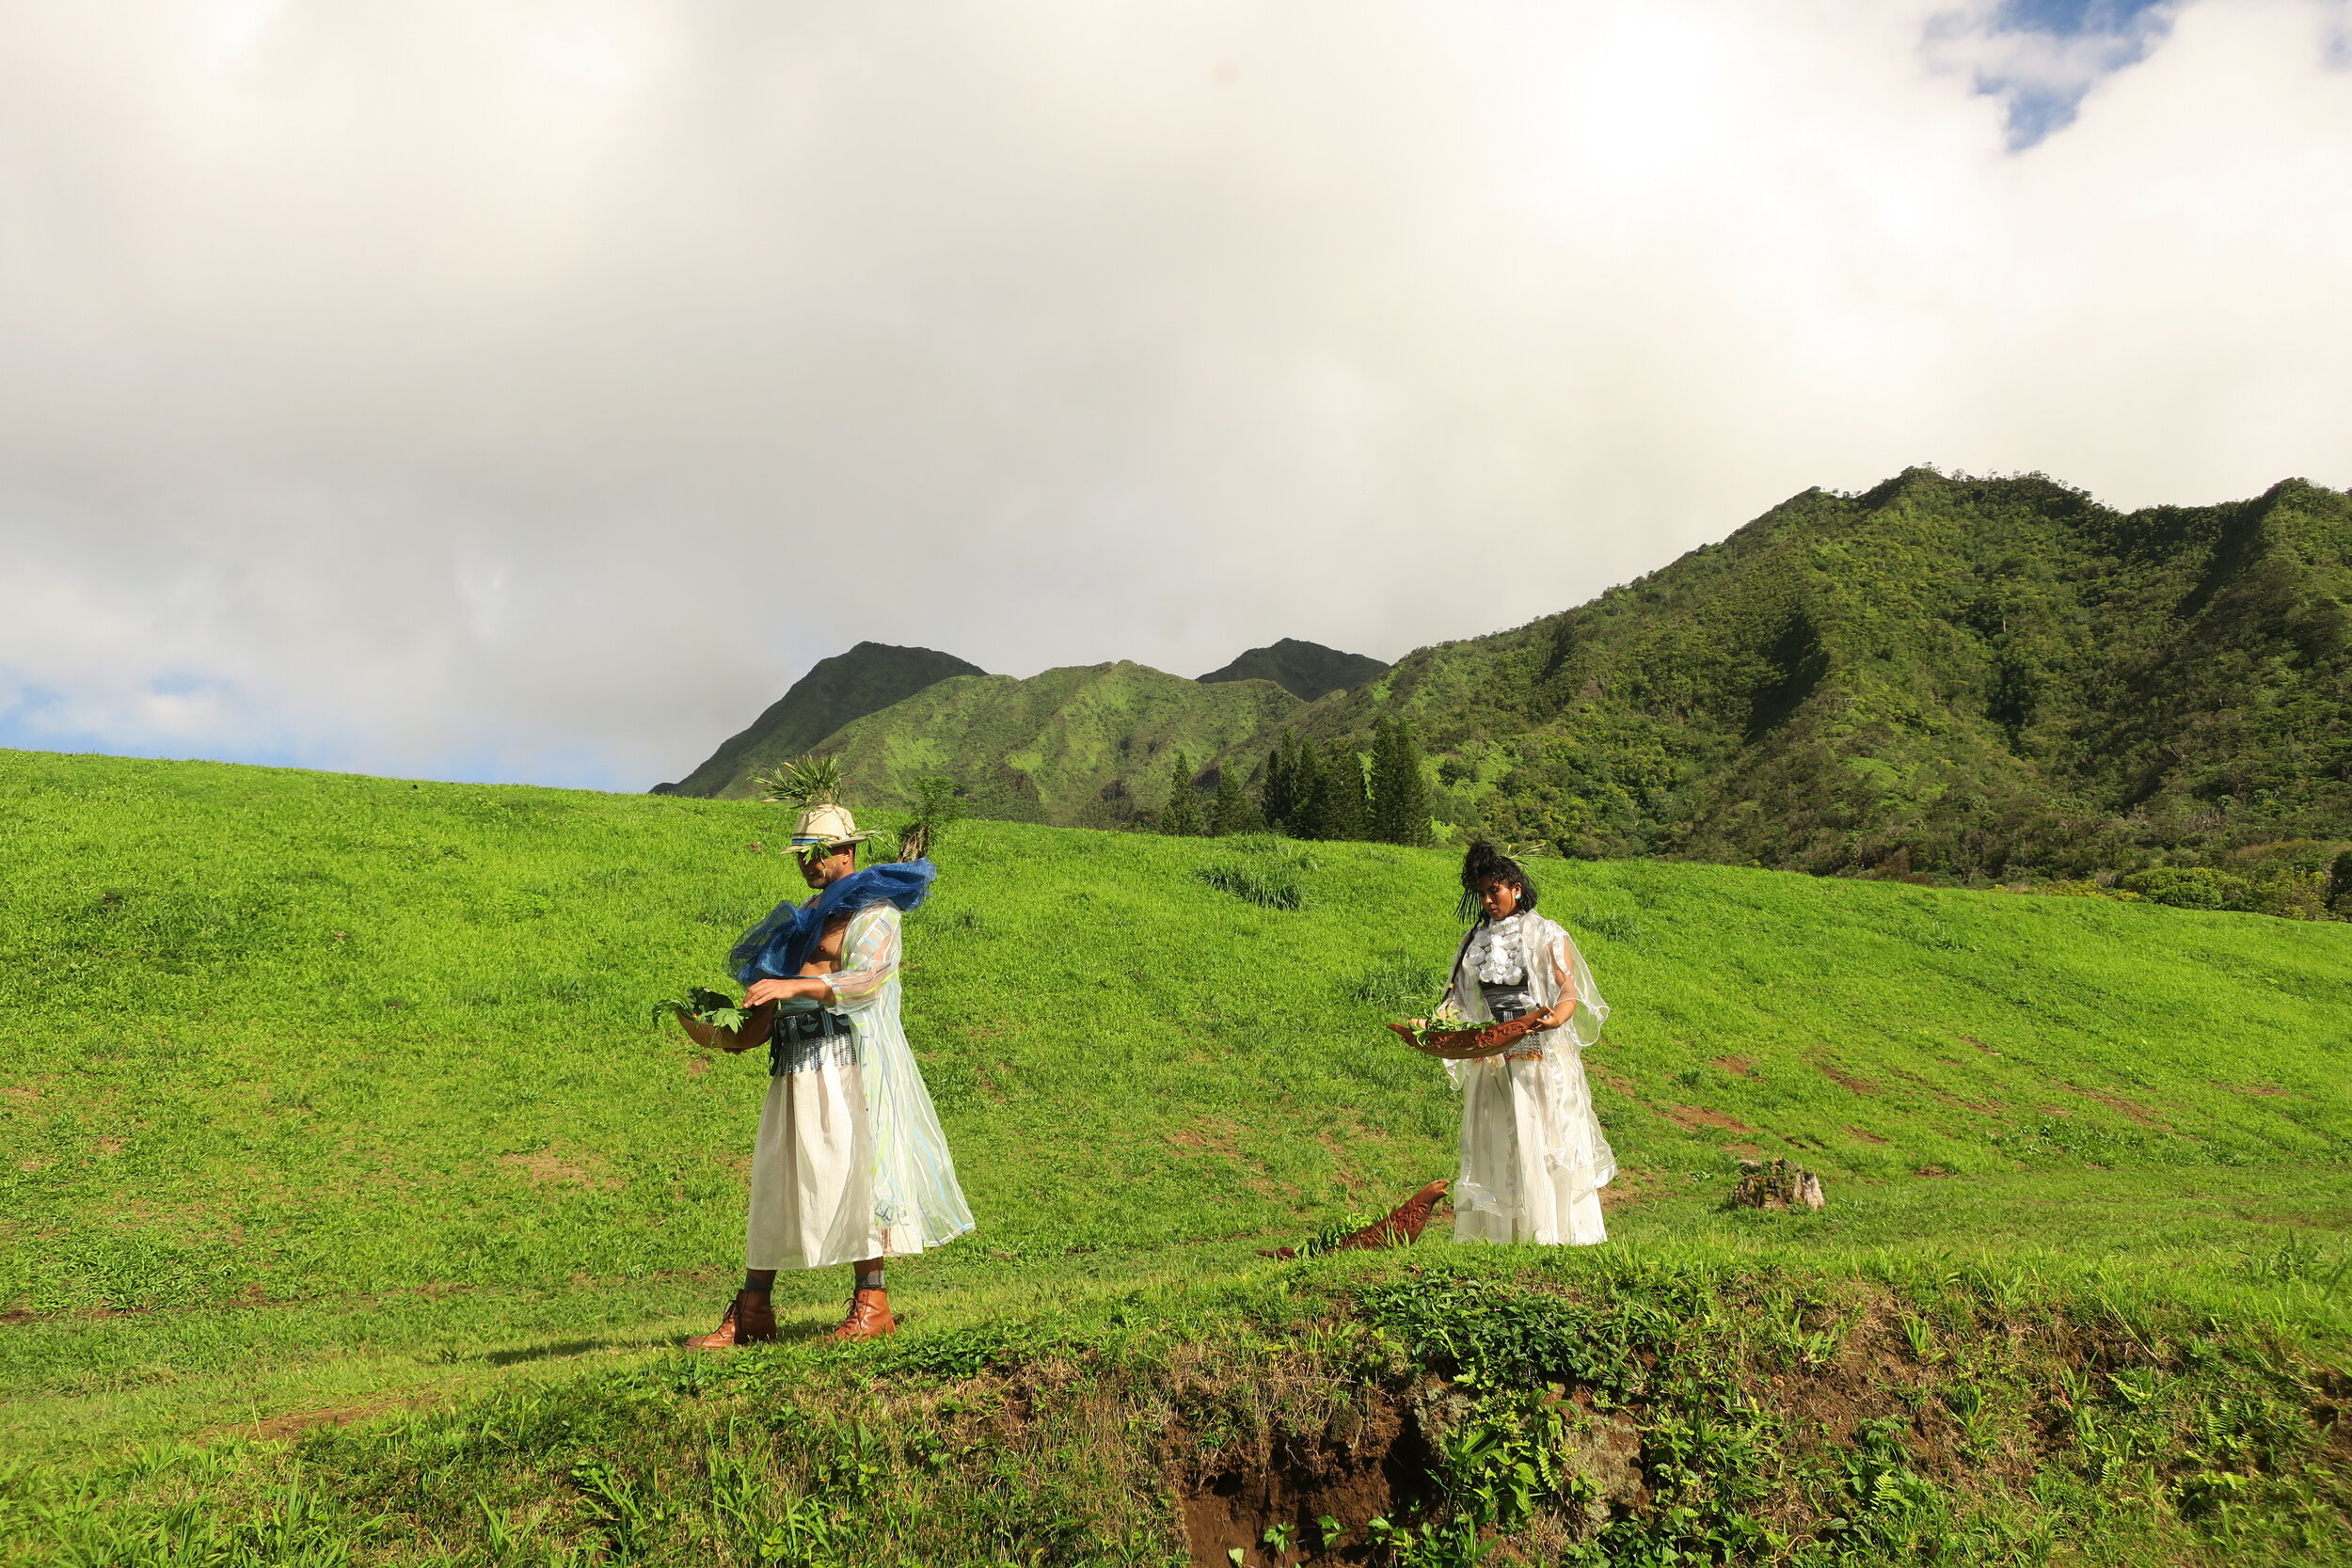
(871, 1279)
(757, 1286)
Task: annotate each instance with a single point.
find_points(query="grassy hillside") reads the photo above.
(326, 1097)
(1589, 1407)
(263, 1028)
(1088, 746)
(1966, 677)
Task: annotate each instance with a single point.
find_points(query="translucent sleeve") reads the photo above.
(869, 957)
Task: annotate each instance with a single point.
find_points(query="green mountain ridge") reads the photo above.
(1979, 678)
(1966, 678)
(1305, 669)
(835, 691)
(1087, 746)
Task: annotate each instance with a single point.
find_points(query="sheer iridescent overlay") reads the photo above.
(1534, 1154)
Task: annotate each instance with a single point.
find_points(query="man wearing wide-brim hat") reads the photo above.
(849, 1165)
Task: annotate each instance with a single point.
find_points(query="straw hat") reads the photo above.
(826, 825)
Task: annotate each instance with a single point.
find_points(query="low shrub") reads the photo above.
(2288, 891)
(2190, 887)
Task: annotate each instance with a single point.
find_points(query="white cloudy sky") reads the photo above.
(532, 389)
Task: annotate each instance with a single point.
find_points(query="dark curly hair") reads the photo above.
(1485, 864)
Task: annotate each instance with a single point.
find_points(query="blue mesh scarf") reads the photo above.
(778, 948)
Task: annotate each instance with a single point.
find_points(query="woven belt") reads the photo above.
(1505, 1003)
(797, 1040)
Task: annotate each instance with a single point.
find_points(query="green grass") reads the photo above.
(324, 1095)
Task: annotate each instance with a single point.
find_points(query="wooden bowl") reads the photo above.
(1469, 1045)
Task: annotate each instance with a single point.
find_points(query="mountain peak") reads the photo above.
(1305, 669)
(867, 679)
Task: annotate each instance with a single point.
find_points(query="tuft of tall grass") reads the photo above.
(1398, 982)
(1277, 886)
(1615, 925)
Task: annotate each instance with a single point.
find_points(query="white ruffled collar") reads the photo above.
(1496, 954)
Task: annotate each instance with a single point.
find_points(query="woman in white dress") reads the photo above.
(1533, 1156)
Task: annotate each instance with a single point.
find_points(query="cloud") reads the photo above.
(523, 391)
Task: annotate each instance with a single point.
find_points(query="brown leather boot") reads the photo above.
(869, 1316)
(751, 1320)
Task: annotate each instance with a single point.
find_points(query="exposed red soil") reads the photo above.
(1217, 1135)
(1693, 1117)
(1847, 1080)
(1607, 1079)
(2137, 1112)
(1868, 1137)
(294, 1423)
(1627, 1187)
(549, 1169)
(1738, 1067)
(1369, 1463)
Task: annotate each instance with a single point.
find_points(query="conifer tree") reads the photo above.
(1400, 796)
(1351, 804)
(1332, 806)
(1307, 817)
(1230, 811)
(1182, 816)
(1277, 798)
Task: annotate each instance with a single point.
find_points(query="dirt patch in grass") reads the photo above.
(1868, 1137)
(548, 1168)
(2137, 1112)
(1738, 1067)
(1847, 1080)
(294, 1423)
(1693, 1117)
(1348, 1141)
(1627, 1187)
(1607, 1079)
(1216, 1135)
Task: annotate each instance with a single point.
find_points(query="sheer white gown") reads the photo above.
(850, 1162)
(1534, 1155)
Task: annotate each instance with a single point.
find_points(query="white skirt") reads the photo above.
(813, 1176)
(1533, 1156)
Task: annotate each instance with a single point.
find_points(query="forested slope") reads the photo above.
(1974, 678)
(1087, 746)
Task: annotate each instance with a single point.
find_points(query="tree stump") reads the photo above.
(1776, 1186)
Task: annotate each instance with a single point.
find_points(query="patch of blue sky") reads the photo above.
(38, 719)
(2041, 58)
